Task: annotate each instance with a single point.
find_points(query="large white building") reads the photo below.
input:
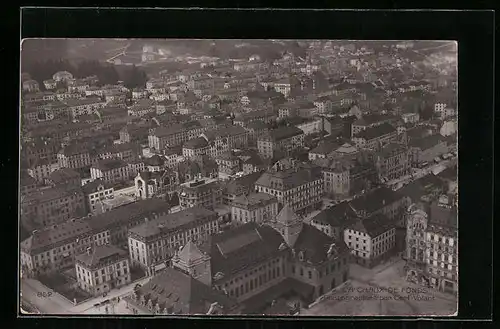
(102, 269)
(371, 239)
(254, 207)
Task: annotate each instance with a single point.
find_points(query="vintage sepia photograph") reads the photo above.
(177, 177)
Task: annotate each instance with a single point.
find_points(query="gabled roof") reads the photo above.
(179, 293)
(377, 131)
(196, 143)
(242, 247)
(427, 142)
(375, 200)
(190, 253)
(284, 132)
(337, 216)
(287, 216)
(99, 256)
(110, 164)
(315, 244)
(374, 225)
(324, 148)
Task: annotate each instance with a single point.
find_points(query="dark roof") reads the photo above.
(377, 131)
(337, 215)
(374, 225)
(92, 187)
(56, 235)
(426, 142)
(242, 184)
(254, 199)
(63, 175)
(242, 247)
(284, 132)
(375, 200)
(171, 222)
(325, 148)
(450, 173)
(291, 178)
(443, 217)
(123, 215)
(369, 119)
(315, 244)
(172, 289)
(155, 160)
(196, 143)
(110, 164)
(423, 186)
(100, 256)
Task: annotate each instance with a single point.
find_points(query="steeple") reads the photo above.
(194, 262)
(288, 224)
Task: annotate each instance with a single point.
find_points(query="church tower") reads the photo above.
(288, 224)
(192, 261)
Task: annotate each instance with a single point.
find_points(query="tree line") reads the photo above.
(106, 73)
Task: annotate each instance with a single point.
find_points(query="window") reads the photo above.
(301, 271)
(310, 274)
(293, 269)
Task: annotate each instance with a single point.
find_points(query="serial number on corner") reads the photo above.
(44, 294)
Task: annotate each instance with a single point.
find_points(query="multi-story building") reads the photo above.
(95, 192)
(392, 162)
(102, 269)
(55, 247)
(426, 149)
(110, 170)
(296, 262)
(410, 117)
(64, 177)
(381, 200)
(311, 126)
(75, 156)
(176, 291)
(370, 121)
(233, 136)
(38, 150)
(300, 187)
(376, 137)
(335, 219)
(197, 147)
(153, 243)
(254, 207)
(283, 139)
(177, 134)
(432, 245)
(336, 178)
(120, 219)
(79, 107)
(371, 239)
(155, 184)
(134, 133)
(31, 86)
(204, 192)
(40, 170)
(228, 164)
(52, 205)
